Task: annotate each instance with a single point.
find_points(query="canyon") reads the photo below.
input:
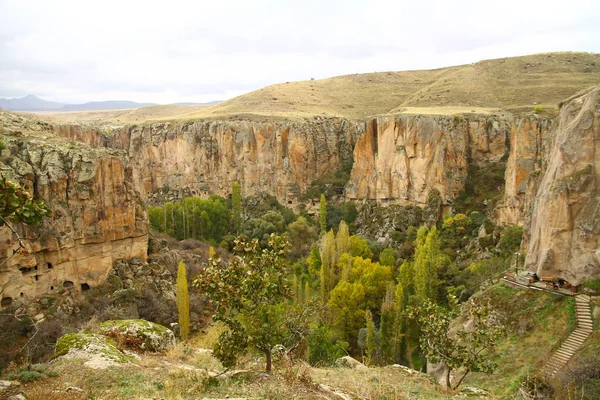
(97, 180)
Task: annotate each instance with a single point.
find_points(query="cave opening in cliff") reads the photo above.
(85, 287)
(51, 288)
(37, 278)
(6, 301)
(25, 270)
(49, 266)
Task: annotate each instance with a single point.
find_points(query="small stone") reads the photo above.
(17, 397)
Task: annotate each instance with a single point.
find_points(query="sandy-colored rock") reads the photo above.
(205, 157)
(98, 217)
(564, 234)
(140, 334)
(403, 158)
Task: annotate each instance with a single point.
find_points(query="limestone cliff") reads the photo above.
(564, 233)
(98, 216)
(402, 158)
(205, 157)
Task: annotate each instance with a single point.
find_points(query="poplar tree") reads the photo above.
(421, 270)
(371, 339)
(327, 273)
(342, 240)
(387, 326)
(306, 293)
(399, 307)
(236, 205)
(323, 214)
(183, 301)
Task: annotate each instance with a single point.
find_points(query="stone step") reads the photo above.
(580, 334)
(567, 351)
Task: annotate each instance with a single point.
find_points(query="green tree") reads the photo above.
(399, 307)
(301, 235)
(18, 206)
(346, 302)
(327, 274)
(387, 326)
(250, 297)
(428, 260)
(359, 247)
(314, 262)
(460, 350)
(156, 217)
(371, 340)
(387, 257)
(323, 214)
(342, 240)
(236, 205)
(323, 348)
(183, 301)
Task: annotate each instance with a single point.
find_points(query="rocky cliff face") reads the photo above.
(205, 157)
(98, 216)
(563, 237)
(403, 158)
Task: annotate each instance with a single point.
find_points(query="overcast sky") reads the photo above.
(175, 51)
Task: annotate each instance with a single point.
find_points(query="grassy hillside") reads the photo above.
(514, 83)
(120, 117)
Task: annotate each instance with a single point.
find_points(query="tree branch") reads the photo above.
(13, 231)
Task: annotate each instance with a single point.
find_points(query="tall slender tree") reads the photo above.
(371, 339)
(236, 205)
(387, 326)
(327, 274)
(183, 301)
(323, 214)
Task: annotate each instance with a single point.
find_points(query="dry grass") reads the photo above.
(514, 83)
(118, 117)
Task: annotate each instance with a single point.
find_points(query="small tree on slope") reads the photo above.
(183, 301)
(466, 350)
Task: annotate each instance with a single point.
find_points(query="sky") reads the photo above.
(200, 51)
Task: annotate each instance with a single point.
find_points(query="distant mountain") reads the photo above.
(104, 105)
(29, 103)
(32, 103)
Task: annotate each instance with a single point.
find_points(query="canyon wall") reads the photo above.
(403, 158)
(205, 157)
(98, 216)
(563, 236)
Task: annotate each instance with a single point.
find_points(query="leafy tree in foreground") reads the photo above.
(466, 350)
(17, 205)
(249, 296)
(183, 301)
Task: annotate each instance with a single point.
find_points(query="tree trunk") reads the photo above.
(269, 362)
(448, 385)
(461, 379)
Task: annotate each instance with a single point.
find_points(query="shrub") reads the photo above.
(30, 376)
(538, 109)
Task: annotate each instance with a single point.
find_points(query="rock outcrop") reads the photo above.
(564, 233)
(205, 157)
(403, 158)
(98, 217)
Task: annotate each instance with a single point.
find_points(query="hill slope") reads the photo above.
(508, 83)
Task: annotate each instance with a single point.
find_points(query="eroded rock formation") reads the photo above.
(564, 233)
(98, 216)
(205, 157)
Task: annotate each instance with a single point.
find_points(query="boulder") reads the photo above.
(99, 351)
(139, 334)
(349, 362)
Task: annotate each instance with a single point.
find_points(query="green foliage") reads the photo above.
(249, 297)
(30, 376)
(371, 340)
(314, 262)
(428, 259)
(461, 349)
(387, 326)
(359, 247)
(183, 301)
(346, 302)
(487, 271)
(327, 274)
(342, 240)
(323, 348)
(236, 205)
(156, 217)
(510, 240)
(301, 236)
(192, 218)
(17, 205)
(331, 185)
(483, 187)
(322, 214)
(387, 257)
(538, 109)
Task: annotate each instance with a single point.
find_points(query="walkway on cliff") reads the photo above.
(584, 329)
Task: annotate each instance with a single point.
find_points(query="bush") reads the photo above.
(30, 376)
(538, 109)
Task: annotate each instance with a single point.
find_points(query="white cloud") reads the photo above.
(77, 51)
